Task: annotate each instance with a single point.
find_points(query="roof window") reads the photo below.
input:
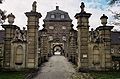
(62, 16)
(52, 16)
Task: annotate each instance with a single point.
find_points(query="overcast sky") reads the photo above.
(19, 7)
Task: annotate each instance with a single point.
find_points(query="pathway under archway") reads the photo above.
(56, 68)
(57, 50)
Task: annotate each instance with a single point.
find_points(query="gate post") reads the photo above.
(83, 32)
(32, 37)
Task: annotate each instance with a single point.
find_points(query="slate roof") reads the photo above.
(57, 14)
(115, 38)
(2, 35)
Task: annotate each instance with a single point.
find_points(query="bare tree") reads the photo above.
(111, 2)
(2, 15)
(1, 1)
(116, 14)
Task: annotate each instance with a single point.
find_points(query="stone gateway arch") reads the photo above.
(89, 50)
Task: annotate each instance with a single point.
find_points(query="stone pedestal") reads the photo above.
(32, 39)
(105, 34)
(9, 34)
(83, 32)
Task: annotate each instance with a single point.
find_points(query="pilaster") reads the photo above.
(9, 34)
(83, 32)
(32, 37)
(105, 34)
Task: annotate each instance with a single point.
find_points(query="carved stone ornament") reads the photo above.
(34, 6)
(19, 35)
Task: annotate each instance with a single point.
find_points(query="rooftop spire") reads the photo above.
(57, 7)
(82, 7)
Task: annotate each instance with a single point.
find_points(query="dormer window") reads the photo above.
(62, 16)
(52, 16)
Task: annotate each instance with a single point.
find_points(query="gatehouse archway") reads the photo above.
(57, 50)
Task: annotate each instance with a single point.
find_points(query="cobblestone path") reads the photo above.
(56, 68)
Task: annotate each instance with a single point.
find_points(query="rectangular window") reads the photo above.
(62, 16)
(52, 16)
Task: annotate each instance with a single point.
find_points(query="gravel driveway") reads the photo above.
(56, 68)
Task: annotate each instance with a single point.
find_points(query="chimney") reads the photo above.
(57, 7)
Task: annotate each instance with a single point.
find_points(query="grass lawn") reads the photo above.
(106, 75)
(12, 75)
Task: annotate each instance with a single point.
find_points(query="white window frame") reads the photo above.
(52, 16)
(62, 16)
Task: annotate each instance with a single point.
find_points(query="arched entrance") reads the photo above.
(57, 50)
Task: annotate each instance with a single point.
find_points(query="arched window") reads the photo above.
(95, 48)
(96, 55)
(19, 55)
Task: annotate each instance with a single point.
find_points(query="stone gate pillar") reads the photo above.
(105, 34)
(83, 31)
(32, 37)
(9, 34)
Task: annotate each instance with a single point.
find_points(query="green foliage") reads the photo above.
(76, 76)
(105, 75)
(12, 75)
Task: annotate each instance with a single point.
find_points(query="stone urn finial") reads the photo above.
(82, 7)
(104, 20)
(11, 18)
